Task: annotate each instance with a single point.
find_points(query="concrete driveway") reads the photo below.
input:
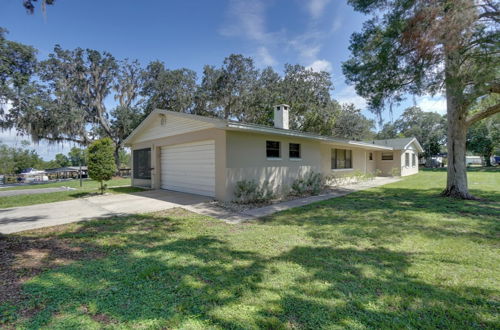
(43, 215)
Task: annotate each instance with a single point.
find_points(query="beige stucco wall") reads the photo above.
(359, 161)
(218, 135)
(409, 170)
(246, 159)
(385, 167)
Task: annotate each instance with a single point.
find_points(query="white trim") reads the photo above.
(285, 132)
(224, 124)
(420, 149)
(274, 158)
(341, 169)
(295, 159)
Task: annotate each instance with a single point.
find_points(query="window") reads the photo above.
(413, 160)
(142, 164)
(294, 150)
(370, 156)
(341, 158)
(407, 159)
(387, 156)
(273, 149)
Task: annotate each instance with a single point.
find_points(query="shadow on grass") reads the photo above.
(386, 214)
(125, 190)
(158, 273)
(469, 169)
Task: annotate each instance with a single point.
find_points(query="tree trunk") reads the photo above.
(456, 185)
(487, 159)
(117, 159)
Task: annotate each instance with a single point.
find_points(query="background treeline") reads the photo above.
(81, 95)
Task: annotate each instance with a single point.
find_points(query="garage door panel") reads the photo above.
(189, 167)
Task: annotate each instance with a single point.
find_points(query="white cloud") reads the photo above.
(337, 24)
(246, 18)
(348, 95)
(320, 65)
(265, 57)
(316, 7)
(432, 104)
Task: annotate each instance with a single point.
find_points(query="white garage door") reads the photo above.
(189, 167)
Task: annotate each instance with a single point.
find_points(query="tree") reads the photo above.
(430, 46)
(29, 5)
(101, 162)
(307, 92)
(15, 160)
(351, 124)
(483, 137)
(61, 160)
(226, 91)
(67, 102)
(77, 156)
(125, 157)
(428, 127)
(172, 90)
(17, 65)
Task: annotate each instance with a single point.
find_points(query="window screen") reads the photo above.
(413, 160)
(294, 150)
(387, 156)
(341, 158)
(273, 149)
(142, 163)
(407, 159)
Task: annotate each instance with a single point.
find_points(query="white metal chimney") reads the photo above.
(281, 116)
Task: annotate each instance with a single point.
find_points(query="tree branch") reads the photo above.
(483, 114)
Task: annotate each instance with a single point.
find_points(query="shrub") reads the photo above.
(358, 176)
(312, 183)
(395, 171)
(249, 191)
(101, 162)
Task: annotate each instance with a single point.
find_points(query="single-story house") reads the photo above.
(208, 156)
(67, 172)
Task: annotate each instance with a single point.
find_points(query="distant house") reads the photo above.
(33, 175)
(207, 156)
(406, 154)
(67, 172)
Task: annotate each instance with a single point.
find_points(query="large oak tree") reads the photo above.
(430, 46)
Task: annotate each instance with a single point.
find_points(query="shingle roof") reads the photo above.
(397, 144)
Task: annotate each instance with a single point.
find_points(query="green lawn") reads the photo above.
(397, 256)
(89, 187)
(87, 183)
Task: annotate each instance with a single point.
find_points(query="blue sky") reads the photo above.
(192, 33)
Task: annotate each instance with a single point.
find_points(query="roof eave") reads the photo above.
(283, 132)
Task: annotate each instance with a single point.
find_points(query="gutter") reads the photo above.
(292, 133)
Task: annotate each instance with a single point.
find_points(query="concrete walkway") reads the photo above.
(51, 214)
(18, 192)
(44, 215)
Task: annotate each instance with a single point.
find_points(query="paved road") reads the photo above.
(33, 191)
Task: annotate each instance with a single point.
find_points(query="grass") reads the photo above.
(75, 183)
(396, 256)
(89, 188)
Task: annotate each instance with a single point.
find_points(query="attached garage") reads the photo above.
(189, 167)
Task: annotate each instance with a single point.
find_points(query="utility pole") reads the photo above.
(80, 171)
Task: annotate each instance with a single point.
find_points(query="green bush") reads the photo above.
(312, 183)
(249, 191)
(395, 171)
(101, 162)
